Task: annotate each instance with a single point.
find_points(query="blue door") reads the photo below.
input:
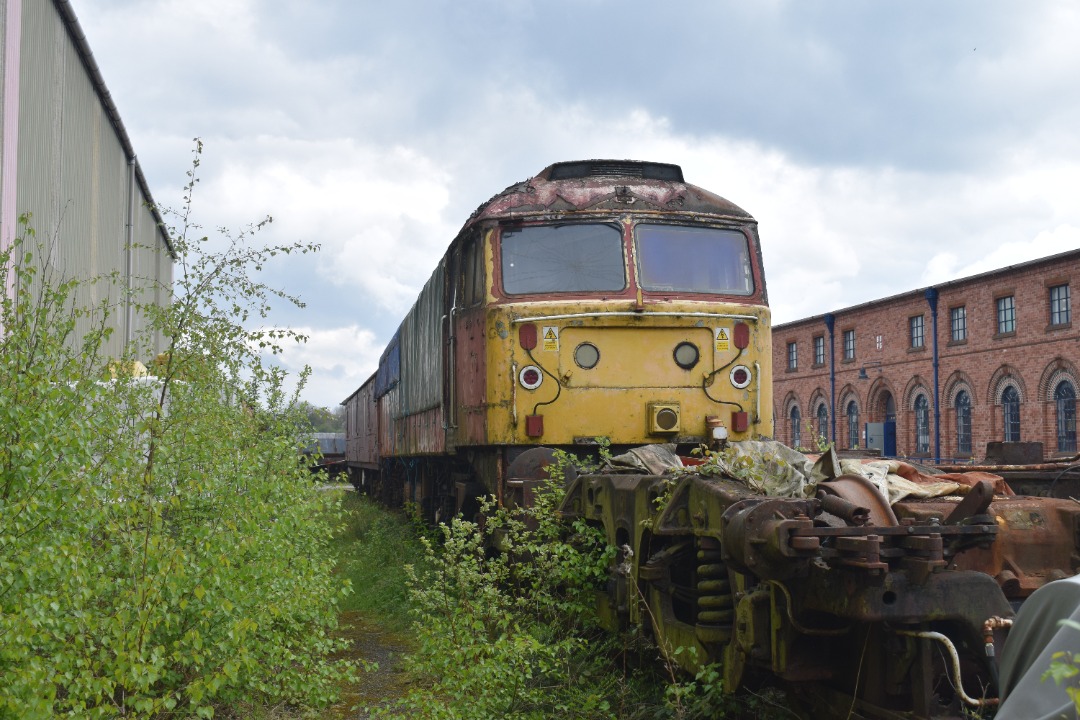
(890, 439)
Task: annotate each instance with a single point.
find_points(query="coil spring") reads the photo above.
(716, 606)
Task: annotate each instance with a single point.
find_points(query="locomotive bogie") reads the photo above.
(767, 585)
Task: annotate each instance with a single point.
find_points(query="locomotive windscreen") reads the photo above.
(562, 258)
(693, 259)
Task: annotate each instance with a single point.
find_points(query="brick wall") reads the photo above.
(1035, 358)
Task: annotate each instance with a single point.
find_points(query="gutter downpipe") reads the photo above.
(932, 298)
(830, 324)
(128, 252)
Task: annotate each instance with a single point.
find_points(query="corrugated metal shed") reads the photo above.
(67, 159)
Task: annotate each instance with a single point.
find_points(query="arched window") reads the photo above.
(963, 423)
(796, 432)
(1010, 412)
(823, 421)
(922, 425)
(853, 424)
(1065, 399)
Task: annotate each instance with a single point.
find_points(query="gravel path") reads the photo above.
(372, 644)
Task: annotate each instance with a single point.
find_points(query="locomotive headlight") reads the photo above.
(586, 355)
(740, 376)
(663, 418)
(686, 355)
(530, 377)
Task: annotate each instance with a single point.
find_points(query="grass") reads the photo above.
(373, 547)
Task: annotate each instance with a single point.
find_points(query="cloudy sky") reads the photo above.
(882, 146)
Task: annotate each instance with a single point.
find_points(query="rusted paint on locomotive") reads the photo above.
(605, 185)
(469, 411)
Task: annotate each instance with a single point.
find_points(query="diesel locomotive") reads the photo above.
(597, 299)
(611, 299)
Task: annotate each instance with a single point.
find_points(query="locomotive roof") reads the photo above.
(619, 185)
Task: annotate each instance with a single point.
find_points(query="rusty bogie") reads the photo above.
(892, 617)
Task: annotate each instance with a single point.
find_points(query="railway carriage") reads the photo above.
(597, 299)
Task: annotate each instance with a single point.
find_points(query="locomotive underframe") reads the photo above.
(782, 587)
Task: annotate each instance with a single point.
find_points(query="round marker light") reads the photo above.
(667, 419)
(586, 355)
(530, 377)
(686, 355)
(740, 376)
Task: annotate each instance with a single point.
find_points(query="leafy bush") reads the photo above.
(160, 548)
(511, 633)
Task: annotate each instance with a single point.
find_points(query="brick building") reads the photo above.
(938, 372)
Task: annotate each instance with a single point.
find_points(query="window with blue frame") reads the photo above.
(963, 423)
(1010, 413)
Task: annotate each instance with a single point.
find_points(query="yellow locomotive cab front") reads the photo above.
(681, 372)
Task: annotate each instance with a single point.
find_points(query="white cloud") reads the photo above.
(378, 147)
(340, 358)
(832, 237)
(378, 214)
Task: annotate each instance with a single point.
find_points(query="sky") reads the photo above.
(882, 146)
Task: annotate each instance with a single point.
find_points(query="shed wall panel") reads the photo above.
(74, 177)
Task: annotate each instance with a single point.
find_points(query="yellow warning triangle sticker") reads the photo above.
(550, 335)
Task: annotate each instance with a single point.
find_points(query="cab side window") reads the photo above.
(474, 272)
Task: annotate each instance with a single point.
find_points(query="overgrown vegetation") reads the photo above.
(513, 632)
(1065, 669)
(374, 546)
(161, 548)
(323, 419)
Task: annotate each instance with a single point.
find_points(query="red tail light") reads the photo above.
(527, 336)
(742, 335)
(531, 377)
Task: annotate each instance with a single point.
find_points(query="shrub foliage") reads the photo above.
(160, 549)
(511, 632)
(507, 627)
